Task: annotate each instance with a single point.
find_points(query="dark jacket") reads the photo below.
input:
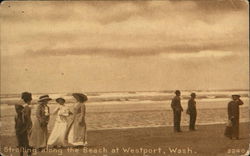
(19, 120)
(23, 121)
(27, 118)
(233, 109)
(176, 104)
(191, 106)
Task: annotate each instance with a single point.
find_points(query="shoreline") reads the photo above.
(158, 126)
(134, 119)
(206, 141)
(166, 126)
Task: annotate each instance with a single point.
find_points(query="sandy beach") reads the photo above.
(143, 127)
(206, 141)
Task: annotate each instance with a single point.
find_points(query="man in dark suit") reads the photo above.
(191, 110)
(177, 109)
(23, 123)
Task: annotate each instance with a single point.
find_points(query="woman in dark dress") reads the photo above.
(23, 123)
(234, 116)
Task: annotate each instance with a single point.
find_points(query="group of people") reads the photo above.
(69, 128)
(177, 110)
(232, 129)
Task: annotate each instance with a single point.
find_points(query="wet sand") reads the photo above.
(206, 141)
(133, 119)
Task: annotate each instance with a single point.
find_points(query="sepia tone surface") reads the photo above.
(129, 57)
(123, 46)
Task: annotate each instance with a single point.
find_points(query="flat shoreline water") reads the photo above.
(134, 119)
(126, 110)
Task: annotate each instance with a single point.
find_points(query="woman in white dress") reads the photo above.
(57, 136)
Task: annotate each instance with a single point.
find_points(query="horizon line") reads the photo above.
(164, 90)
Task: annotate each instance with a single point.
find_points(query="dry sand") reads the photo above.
(207, 140)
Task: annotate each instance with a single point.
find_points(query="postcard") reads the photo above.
(125, 78)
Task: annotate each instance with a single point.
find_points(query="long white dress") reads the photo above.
(57, 136)
(77, 133)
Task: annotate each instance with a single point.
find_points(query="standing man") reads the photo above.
(191, 110)
(23, 123)
(234, 115)
(177, 109)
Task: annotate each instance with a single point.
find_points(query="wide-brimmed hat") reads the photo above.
(60, 99)
(80, 97)
(235, 95)
(44, 98)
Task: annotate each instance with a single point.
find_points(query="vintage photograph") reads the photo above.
(124, 78)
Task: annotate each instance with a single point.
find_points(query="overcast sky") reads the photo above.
(121, 46)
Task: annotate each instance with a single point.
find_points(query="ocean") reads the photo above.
(119, 110)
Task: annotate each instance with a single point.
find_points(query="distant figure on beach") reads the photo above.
(234, 116)
(23, 123)
(77, 128)
(39, 133)
(57, 136)
(177, 109)
(191, 110)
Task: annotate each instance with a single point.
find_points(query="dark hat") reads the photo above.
(80, 97)
(193, 94)
(177, 92)
(235, 95)
(44, 98)
(26, 96)
(60, 99)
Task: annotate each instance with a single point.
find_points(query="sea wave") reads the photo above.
(104, 97)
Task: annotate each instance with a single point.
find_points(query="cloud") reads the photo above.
(165, 45)
(166, 52)
(122, 28)
(201, 54)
